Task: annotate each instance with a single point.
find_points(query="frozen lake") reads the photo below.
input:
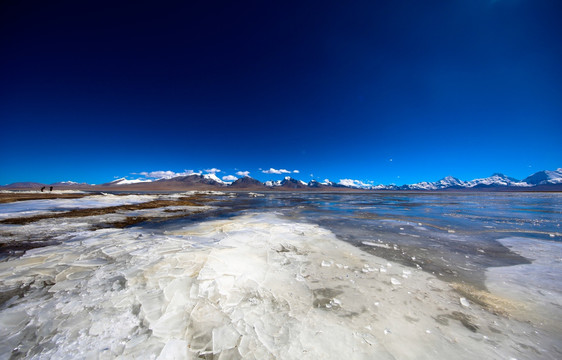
(286, 275)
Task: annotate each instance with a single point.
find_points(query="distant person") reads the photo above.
(42, 189)
(51, 189)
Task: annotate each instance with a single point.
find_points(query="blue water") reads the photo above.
(452, 235)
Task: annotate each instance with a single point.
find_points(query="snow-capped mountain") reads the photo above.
(449, 182)
(289, 182)
(495, 180)
(445, 183)
(545, 177)
(272, 183)
(357, 184)
(213, 177)
(547, 180)
(123, 181)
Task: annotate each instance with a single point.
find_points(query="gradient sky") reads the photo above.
(386, 91)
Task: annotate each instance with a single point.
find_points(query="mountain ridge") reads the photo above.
(545, 180)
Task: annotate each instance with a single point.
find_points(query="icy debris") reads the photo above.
(464, 302)
(387, 331)
(367, 268)
(394, 281)
(369, 243)
(326, 263)
(333, 303)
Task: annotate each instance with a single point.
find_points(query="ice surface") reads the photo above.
(253, 286)
(535, 286)
(34, 207)
(39, 192)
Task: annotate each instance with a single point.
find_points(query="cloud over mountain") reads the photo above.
(166, 174)
(229, 178)
(275, 171)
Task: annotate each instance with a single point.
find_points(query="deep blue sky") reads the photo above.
(90, 90)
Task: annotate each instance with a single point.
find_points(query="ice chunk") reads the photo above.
(224, 338)
(174, 349)
(13, 320)
(394, 281)
(326, 263)
(464, 302)
(370, 243)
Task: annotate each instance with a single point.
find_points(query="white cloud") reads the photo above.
(212, 171)
(167, 174)
(354, 183)
(296, 171)
(229, 178)
(243, 173)
(275, 171)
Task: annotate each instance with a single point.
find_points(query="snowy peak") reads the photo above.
(315, 184)
(124, 181)
(272, 183)
(291, 183)
(449, 181)
(445, 183)
(356, 184)
(214, 178)
(195, 179)
(545, 177)
(494, 181)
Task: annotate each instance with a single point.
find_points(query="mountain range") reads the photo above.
(546, 180)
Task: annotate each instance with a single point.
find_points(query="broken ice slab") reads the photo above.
(224, 338)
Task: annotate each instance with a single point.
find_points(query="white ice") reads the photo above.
(537, 285)
(34, 207)
(249, 287)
